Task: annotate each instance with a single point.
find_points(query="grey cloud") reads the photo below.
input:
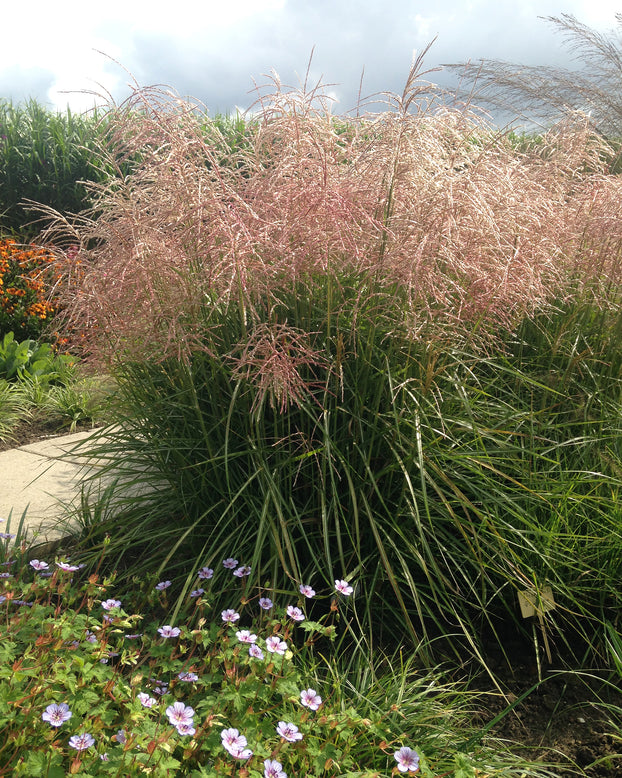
(346, 38)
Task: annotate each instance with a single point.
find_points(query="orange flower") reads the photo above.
(25, 281)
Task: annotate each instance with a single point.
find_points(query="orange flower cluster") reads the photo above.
(24, 278)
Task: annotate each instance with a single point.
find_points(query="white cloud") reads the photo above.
(213, 50)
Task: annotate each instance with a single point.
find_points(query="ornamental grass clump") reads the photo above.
(309, 331)
(420, 204)
(91, 686)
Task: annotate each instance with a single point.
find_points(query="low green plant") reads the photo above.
(73, 400)
(32, 359)
(12, 408)
(610, 704)
(81, 401)
(90, 686)
(47, 392)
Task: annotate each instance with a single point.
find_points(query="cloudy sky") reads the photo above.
(216, 51)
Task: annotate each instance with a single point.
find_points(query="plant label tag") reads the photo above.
(533, 602)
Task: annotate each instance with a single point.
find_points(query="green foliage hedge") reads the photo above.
(49, 158)
(44, 157)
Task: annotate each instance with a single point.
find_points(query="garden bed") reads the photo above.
(295, 390)
(562, 722)
(32, 432)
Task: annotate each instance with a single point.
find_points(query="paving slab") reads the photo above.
(39, 482)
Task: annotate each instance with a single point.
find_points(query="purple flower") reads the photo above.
(265, 603)
(186, 729)
(81, 742)
(134, 636)
(230, 563)
(108, 605)
(6, 535)
(90, 636)
(273, 769)
(6, 575)
(235, 743)
(310, 699)
(288, 731)
(206, 572)
(121, 737)
(169, 632)
(246, 636)
(295, 613)
(38, 565)
(197, 592)
(189, 677)
(343, 587)
(160, 687)
(230, 615)
(231, 738)
(180, 714)
(275, 645)
(306, 590)
(55, 714)
(407, 759)
(163, 585)
(146, 701)
(243, 571)
(255, 651)
(67, 567)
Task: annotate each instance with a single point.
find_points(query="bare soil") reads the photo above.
(31, 432)
(570, 718)
(564, 722)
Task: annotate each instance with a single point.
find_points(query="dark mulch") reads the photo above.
(32, 432)
(564, 720)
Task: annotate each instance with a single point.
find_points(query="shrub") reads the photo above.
(25, 307)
